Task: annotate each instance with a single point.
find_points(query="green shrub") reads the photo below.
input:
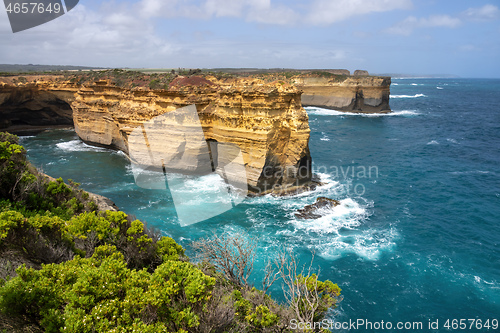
(168, 249)
(82, 225)
(100, 294)
(9, 220)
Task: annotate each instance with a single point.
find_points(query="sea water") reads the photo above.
(416, 237)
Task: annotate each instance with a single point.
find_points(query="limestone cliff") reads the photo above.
(367, 94)
(265, 120)
(337, 89)
(26, 105)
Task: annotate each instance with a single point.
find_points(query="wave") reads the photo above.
(324, 137)
(433, 142)
(341, 230)
(408, 96)
(327, 112)
(77, 145)
(24, 137)
(440, 88)
(480, 172)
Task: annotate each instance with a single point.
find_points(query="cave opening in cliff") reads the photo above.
(24, 109)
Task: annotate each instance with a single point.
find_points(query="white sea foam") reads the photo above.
(208, 189)
(150, 205)
(324, 137)
(440, 88)
(345, 215)
(24, 137)
(480, 172)
(452, 141)
(327, 112)
(433, 142)
(77, 145)
(408, 96)
(340, 230)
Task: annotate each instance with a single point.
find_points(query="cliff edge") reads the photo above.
(264, 120)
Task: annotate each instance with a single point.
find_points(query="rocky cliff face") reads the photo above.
(265, 120)
(39, 102)
(367, 94)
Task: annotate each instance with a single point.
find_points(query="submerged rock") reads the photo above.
(311, 211)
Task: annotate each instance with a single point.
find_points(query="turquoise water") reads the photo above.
(417, 234)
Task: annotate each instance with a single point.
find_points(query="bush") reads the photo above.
(22, 184)
(101, 294)
(12, 165)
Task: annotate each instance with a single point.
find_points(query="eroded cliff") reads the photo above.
(27, 104)
(335, 88)
(367, 94)
(265, 120)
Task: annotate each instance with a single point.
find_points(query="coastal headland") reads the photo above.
(260, 113)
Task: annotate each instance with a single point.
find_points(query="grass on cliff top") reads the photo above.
(156, 79)
(123, 78)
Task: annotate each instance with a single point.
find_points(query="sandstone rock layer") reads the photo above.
(366, 94)
(265, 120)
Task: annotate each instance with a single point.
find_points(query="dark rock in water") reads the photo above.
(311, 211)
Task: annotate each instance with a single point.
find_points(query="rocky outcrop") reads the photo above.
(313, 211)
(264, 120)
(366, 94)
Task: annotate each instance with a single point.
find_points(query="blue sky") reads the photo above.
(382, 36)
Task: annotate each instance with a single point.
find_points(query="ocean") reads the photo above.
(416, 238)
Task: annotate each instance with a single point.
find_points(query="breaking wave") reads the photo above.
(327, 112)
(77, 145)
(408, 96)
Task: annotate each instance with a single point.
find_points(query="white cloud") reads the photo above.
(406, 27)
(440, 21)
(260, 11)
(324, 12)
(320, 12)
(411, 23)
(485, 13)
(84, 37)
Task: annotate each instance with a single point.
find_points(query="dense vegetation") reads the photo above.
(85, 270)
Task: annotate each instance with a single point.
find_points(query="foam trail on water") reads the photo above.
(77, 145)
(327, 112)
(408, 96)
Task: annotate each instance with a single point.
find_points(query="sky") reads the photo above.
(382, 36)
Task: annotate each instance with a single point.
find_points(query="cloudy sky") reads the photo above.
(382, 36)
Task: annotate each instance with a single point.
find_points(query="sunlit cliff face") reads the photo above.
(264, 120)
